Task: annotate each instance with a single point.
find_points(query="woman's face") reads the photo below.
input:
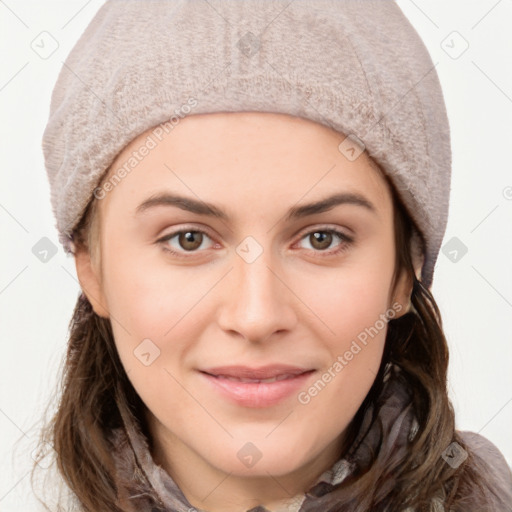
(291, 265)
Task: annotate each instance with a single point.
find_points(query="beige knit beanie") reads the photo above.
(357, 66)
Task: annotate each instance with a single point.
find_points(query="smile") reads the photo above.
(257, 392)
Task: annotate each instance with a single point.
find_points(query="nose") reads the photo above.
(258, 301)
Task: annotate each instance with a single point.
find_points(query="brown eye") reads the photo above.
(326, 242)
(186, 240)
(320, 240)
(190, 240)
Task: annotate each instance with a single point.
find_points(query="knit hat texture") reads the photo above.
(356, 66)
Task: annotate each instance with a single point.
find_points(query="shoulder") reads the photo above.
(486, 450)
(482, 449)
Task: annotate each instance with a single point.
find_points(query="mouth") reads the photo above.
(257, 387)
(270, 371)
(264, 381)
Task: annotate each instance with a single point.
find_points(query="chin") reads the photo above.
(259, 458)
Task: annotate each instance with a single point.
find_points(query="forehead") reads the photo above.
(244, 157)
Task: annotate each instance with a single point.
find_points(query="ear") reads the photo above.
(89, 277)
(403, 289)
(401, 294)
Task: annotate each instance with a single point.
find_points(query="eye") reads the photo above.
(320, 240)
(186, 240)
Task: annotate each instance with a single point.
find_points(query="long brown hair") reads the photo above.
(95, 388)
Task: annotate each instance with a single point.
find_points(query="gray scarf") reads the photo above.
(146, 487)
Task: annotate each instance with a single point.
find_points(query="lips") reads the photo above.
(257, 387)
(269, 373)
(261, 381)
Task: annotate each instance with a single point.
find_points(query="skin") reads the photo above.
(294, 304)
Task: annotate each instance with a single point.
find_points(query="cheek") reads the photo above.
(140, 302)
(355, 354)
(155, 312)
(354, 295)
(356, 315)
(354, 307)
(147, 314)
(144, 305)
(146, 294)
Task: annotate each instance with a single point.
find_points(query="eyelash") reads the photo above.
(345, 243)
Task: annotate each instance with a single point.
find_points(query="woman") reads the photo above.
(255, 195)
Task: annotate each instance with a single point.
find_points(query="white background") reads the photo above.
(474, 294)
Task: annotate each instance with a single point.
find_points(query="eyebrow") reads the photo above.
(294, 213)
